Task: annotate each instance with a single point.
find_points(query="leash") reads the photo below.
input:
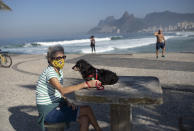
(98, 86)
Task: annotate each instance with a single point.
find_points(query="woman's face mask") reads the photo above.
(59, 62)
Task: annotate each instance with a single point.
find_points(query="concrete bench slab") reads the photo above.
(129, 90)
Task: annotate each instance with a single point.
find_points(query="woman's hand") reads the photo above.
(93, 83)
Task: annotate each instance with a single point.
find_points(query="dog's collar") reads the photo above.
(92, 76)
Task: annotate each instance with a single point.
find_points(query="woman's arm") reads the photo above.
(65, 90)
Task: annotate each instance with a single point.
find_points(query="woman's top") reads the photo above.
(45, 92)
(92, 42)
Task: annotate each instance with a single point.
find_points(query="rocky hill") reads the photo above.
(129, 23)
(167, 18)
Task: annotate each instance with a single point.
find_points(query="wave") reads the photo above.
(65, 42)
(116, 37)
(71, 42)
(185, 34)
(31, 45)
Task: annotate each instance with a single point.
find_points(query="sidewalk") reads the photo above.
(176, 72)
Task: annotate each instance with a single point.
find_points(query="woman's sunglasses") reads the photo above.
(59, 57)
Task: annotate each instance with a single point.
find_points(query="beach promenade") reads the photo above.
(176, 74)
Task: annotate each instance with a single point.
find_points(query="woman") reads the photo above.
(92, 43)
(51, 106)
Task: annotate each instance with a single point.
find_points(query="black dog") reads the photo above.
(89, 72)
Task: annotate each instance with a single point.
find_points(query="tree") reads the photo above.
(3, 6)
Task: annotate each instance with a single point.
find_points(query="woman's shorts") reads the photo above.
(62, 113)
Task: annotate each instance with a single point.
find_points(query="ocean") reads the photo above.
(106, 44)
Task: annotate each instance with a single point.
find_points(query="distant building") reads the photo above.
(181, 26)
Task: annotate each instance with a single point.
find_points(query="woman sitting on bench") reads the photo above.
(52, 107)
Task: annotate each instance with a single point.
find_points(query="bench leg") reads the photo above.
(120, 117)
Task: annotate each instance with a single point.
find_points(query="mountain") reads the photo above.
(129, 23)
(167, 18)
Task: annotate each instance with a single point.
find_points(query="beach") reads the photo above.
(175, 72)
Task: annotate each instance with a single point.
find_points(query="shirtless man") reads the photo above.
(160, 42)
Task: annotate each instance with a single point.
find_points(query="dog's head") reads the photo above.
(81, 66)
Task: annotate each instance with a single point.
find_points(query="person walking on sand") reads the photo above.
(92, 44)
(52, 106)
(161, 43)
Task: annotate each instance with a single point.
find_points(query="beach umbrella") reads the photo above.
(3, 6)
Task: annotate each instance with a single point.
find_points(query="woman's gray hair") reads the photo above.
(52, 50)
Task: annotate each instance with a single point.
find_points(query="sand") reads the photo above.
(175, 72)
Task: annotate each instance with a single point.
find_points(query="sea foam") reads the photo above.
(69, 42)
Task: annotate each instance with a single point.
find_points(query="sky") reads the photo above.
(31, 19)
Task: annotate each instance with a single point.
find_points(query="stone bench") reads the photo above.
(129, 90)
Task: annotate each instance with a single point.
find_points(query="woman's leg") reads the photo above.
(87, 111)
(84, 123)
(94, 49)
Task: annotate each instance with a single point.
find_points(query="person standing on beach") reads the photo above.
(92, 44)
(161, 43)
(52, 106)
